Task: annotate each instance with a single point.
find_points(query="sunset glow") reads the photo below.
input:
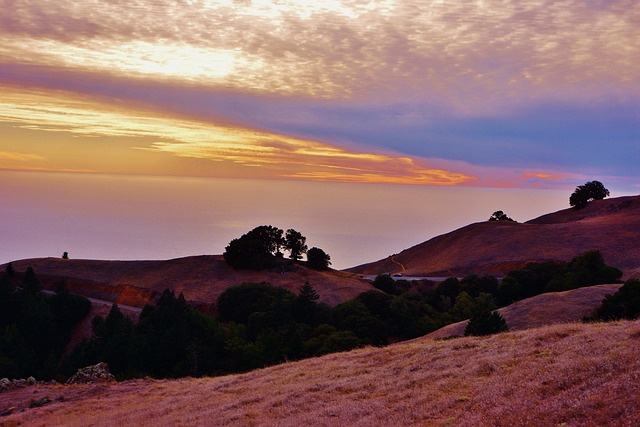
(492, 94)
(341, 90)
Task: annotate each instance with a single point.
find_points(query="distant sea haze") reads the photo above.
(119, 217)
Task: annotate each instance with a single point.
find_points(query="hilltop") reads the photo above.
(611, 226)
(200, 278)
(491, 247)
(570, 374)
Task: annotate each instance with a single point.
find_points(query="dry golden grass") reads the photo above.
(570, 374)
(611, 226)
(201, 278)
(544, 309)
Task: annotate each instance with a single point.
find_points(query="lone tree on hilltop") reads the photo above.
(583, 194)
(500, 216)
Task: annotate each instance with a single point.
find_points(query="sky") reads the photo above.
(474, 93)
(529, 94)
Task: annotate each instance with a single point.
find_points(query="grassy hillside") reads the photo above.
(201, 278)
(569, 374)
(544, 309)
(611, 226)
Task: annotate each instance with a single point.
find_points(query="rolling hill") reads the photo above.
(545, 309)
(569, 374)
(200, 278)
(495, 247)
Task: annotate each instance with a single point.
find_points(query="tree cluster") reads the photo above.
(259, 324)
(35, 327)
(624, 304)
(583, 194)
(587, 269)
(500, 216)
(261, 248)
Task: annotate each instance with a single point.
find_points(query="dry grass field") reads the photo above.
(561, 375)
(544, 309)
(201, 278)
(611, 226)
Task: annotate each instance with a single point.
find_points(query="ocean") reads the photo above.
(122, 217)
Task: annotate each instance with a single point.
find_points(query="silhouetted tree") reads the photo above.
(9, 271)
(256, 249)
(30, 282)
(295, 242)
(260, 248)
(583, 194)
(499, 216)
(318, 259)
(65, 255)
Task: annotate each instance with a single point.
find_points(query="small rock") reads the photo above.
(5, 383)
(31, 381)
(90, 374)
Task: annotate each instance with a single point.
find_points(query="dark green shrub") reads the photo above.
(318, 259)
(624, 304)
(385, 283)
(486, 323)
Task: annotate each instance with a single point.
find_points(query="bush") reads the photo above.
(318, 259)
(486, 323)
(500, 216)
(624, 304)
(385, 283)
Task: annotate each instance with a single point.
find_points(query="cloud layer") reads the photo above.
(429, 92)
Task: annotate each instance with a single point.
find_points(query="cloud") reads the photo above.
(282, 156)
(14, 156)
(324, 85)
(469, 55)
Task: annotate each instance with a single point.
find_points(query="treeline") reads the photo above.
(259, 324)
(34, 327)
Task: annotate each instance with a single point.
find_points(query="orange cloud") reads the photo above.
(13, 156)
(277, 156)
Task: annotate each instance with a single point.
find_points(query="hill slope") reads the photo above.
(570, 374)
(611, 226)
(544, 309)
(201, 278)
